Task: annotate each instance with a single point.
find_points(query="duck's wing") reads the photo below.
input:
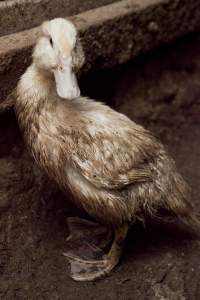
(114, 159)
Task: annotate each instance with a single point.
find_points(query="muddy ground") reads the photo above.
(160, 90)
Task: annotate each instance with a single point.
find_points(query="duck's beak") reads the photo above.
(66, 82)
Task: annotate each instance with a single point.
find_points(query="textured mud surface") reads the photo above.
(161, 261)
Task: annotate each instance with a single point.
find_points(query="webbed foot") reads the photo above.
(89, 270)
(87, 244)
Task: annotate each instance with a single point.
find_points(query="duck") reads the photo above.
(117, 171)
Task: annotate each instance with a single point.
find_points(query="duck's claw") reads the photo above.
(86, 270)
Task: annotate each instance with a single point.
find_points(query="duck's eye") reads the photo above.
(51, 41)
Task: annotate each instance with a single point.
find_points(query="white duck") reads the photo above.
(116, 170)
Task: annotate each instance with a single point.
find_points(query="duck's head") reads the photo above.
(58, 52)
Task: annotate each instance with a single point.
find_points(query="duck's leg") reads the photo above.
(84, 269)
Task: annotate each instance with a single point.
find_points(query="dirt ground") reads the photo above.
(161, 261)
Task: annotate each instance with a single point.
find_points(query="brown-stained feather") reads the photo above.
(116, 170)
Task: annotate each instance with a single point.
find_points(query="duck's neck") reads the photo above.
(34, 90)
(34, 86)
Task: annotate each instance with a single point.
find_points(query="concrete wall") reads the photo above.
(17, 15)
(110, 34)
